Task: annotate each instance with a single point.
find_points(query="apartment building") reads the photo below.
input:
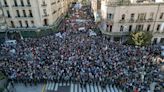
(28, 15)
(118, 18)
(2, 20)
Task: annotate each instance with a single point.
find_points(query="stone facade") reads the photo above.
(2, 20)
(33, 14)
(120, 18)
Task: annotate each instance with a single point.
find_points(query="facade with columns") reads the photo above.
(33, 14)
(120, 18)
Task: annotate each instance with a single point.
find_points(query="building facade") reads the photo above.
(2, 20)
(33, 14)
(120, 18)
(96, 9)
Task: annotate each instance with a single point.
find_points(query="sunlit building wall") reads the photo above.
(33, 14)
(120, 18)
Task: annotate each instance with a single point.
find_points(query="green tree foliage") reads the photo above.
(140, 38)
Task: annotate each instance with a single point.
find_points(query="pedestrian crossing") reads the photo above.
(52, 86)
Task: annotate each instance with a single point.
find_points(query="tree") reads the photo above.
(140, 38)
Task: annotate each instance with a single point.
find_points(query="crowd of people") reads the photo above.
(78, 57)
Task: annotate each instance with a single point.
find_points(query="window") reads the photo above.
(22, 3)
(28, 2)
(44, 3)
(44, 11)
(32, 23)
(132, 16)
(8, 14)
(18, 14)
(110, 16)
(20, 23)
(130, 28)
(12, 24)
(26, 22)
(30, 13)
(110, 28)
(123, 17)
(139, 28)
(45, 22)
(161, 16)
(158, 27)
(24, 13)
(5, 2)
(121, 28)
(141, 16)
(148, 27)
(15, 2)
(151, 15)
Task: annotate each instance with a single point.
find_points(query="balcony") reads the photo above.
(140, 20)
(108, 19)
(131, 21)
(150, 20)
(8, 17)
(121, 21)
(115, 33)
(46, 15)
(5, 5)
(44, 4)
(21, 6)
(23, 28)
(23, 17)
(28, 5)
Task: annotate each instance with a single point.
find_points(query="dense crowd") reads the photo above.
(78, 57)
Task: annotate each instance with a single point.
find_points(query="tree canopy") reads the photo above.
(140, 38)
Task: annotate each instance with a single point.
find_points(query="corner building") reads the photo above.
(28, 15)
(119, 17)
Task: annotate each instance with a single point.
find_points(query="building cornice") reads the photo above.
(133, 4)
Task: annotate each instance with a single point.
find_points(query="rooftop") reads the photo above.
(133, 2)
(146, 1)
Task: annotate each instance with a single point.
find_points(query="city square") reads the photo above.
(81, 57)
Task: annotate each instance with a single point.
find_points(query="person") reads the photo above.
(82, 59)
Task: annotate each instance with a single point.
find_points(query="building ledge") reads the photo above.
(115, 33)
(132, 4)
(23, 29)
(158, 34)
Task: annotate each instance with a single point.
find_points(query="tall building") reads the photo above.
(119, 17)
(33, 14)
(2, 20)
